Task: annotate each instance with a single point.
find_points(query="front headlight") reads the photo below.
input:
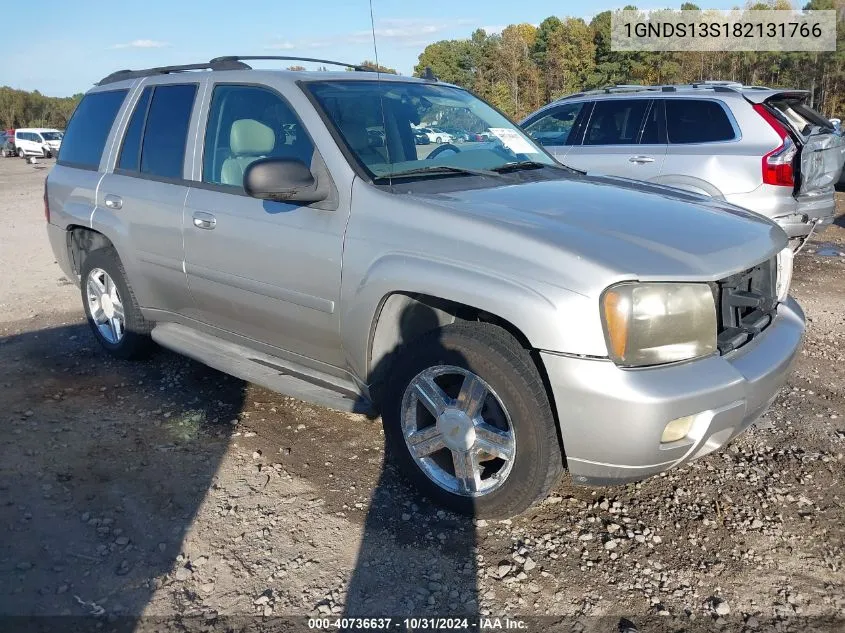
(655, 323)
(784, 273)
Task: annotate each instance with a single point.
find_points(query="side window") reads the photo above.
(166, 131)
(615, 122)
(130, 151)
(89, 128)
(697, 121)
(555, 126)
(653, 132)
(246, 123)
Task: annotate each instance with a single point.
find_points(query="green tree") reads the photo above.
(450, 60)
(378, 67)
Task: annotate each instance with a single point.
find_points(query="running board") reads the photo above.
(267, 371)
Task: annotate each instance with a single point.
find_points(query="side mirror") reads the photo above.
(282, 180)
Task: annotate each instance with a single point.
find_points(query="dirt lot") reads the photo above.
(167, 489)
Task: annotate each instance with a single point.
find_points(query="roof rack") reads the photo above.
(231, 62)
(715, 86)
(241, 58)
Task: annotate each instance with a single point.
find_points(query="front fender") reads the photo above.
(551, 318)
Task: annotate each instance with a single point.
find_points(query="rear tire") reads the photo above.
(21, 153)
(512, 417)
(111, 307)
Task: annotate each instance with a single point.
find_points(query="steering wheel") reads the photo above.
(445, 147)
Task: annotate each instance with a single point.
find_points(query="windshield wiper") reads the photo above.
(524, 164)
(438, 169)
(533, 164)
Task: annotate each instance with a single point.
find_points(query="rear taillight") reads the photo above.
(46, 204)
(777, 164)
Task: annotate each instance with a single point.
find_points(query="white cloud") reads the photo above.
(406, 31)
(142, 44)
(494, 29)
(281, 46)
(411, 32)
(287, 45)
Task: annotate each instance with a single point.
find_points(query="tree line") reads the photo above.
(19, 108)
(525, 67)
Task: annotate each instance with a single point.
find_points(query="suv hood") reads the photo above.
(572, 226)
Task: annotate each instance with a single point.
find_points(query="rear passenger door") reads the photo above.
(612, 140)
(267, 272)
(703, 156)
(145, 195)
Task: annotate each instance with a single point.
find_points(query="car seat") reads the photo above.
(249, 140)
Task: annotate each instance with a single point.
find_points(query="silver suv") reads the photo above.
(759, 148)
(507, 316)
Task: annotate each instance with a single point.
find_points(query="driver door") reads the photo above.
(265, 271)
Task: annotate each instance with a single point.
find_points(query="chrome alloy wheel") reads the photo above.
(105, 306)
(458, 430)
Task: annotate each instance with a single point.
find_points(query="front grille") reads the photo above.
(746, 305)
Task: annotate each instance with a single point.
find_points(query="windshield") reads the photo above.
(51, 136)
(422, 127)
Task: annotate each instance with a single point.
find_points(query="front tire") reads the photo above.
(467, 419)
(111, 308)
(21, 153)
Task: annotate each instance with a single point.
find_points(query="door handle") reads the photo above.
(113, 202)
(641, 159)
(204, 220)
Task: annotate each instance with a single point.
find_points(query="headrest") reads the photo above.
(248, 136)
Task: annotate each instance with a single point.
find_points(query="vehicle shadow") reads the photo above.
(404, 531)
(103, 466)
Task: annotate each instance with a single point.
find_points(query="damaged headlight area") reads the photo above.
(658, 323)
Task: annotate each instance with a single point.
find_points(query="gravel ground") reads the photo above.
(164, 488)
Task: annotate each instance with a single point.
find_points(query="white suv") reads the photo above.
(37, 141)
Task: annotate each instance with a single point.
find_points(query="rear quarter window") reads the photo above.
(88, 129)
(697, 121)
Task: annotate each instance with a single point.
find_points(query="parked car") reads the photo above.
(760, 148)
(458, 135)
(421, 138)
(498, 309)
(376, 137)
(37, 142)
(436, 135)
(479, 137)
(7, 145)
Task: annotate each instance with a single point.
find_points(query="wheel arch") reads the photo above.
(82, 240)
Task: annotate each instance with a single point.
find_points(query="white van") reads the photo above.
(37, 141)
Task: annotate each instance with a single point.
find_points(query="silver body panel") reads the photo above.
(306, 284)
(727, 170)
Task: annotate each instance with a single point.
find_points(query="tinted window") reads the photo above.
(697, 121)
(247, 123)
(166, 131)
(651, 128)
(130, 152)
(554, 127)
(89, 127)
(616, 122)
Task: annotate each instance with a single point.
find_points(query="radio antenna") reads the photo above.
(373, 27)
(381, 96)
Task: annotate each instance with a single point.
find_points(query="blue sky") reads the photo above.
(67, 45)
